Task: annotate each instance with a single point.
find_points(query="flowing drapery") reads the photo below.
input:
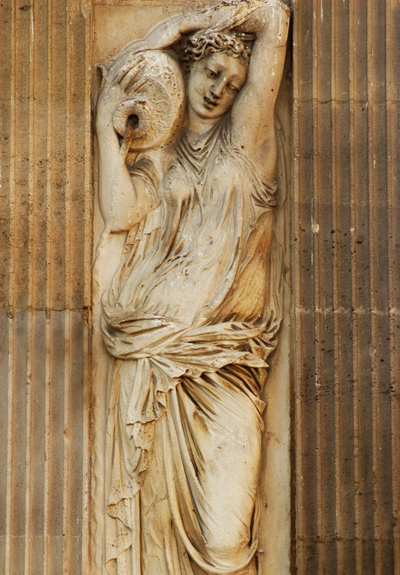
(190, 320)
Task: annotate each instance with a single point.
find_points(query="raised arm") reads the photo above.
(223, 16)
(253, 110)
(124, 200)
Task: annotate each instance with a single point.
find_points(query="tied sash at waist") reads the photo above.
(182, 349)
(165, 350)
(152, 355)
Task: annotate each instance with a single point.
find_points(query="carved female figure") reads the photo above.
(191, 314)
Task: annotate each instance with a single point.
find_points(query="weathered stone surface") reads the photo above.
(346, 266)
(225, 476)
(342, 170)
(45, 286)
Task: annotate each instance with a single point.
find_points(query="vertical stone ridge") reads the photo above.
(9, 381)
(379, 289)
(342, 298)
(30, 319)
(47, 191)
(360, 280)
(19, 286)
(27, 547)
(4, 433)
(7, 202)
(6, 138)
(37, 443)
(306, 502)
(317, 256)
(47, 374)
(83, 14)
(41, 155)
(393, 179)
(45, 243)
(322, 226)
(346, 259)
(69, 287)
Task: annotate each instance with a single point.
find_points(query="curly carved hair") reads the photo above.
(201, 44)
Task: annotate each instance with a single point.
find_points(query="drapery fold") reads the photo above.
(188, 349)
(141, 383)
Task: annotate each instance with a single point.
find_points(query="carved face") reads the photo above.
(214, 83)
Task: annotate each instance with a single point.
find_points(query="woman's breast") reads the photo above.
(200, 244)
(203, 268)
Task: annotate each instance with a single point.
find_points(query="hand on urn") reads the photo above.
(112, 92)
(187, 154)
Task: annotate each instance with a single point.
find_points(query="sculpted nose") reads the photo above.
(217, 89)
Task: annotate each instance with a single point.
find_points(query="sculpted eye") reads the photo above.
(210, 73)
(233, 88)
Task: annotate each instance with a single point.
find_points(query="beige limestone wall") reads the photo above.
(346, 247)
(345, 243)
(45, 279)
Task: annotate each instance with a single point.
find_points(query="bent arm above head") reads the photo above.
(218, 17)
(253, 111)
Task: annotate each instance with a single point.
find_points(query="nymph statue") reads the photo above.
(187, 155)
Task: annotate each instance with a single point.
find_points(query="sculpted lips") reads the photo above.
(211, 103)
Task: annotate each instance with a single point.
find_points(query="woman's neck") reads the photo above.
(199, 126)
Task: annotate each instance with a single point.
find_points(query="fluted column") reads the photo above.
(346, 269)
(45, 219)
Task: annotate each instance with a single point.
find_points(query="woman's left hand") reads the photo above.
(113, 91)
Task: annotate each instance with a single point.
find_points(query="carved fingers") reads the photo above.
(114, 87)
(130, 71)
(124, 63)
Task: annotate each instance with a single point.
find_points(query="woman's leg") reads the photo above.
(162, 551)
(214, 445)
(211, 434)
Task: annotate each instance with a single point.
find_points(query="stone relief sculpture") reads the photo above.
(187, 150)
